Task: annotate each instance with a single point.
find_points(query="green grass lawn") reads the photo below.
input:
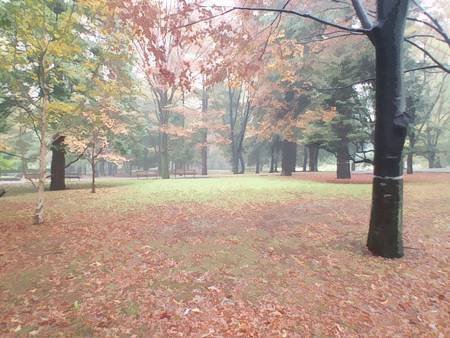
(226, 189)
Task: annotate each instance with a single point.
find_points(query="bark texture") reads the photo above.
(274, 149)
(58, 166)
(343, 162)
(313, 150)
(385, 232)
(288, 157)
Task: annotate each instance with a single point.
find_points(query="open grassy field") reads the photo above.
(249, 256)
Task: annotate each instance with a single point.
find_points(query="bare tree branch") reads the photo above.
(304, 15)
(437, 26)
(78, 158)
(362, 14)
(427, 53)
(15, 155)
(278, 10)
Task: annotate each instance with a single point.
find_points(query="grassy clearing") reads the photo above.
(222, 190)
(239, 255)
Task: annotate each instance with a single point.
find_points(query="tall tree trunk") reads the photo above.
(386, 223)
(274, 149)
(93, 169)
(410, 156)
(343, 162)
(205, 155)
(38, 217)
(258, 159)
(410, 163)
(294, 157)
(93, 176)
(313, 150)
(432, 160)
(164, 155)
(288, 157)
(163, 136)
(305, 158)
(204, 131)
(275, 166)
(438, 162)
(234, 160)
(241, 162)
(58, 166)
(272, 158)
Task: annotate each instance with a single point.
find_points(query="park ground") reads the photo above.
(232, 256)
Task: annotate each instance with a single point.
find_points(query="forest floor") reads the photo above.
(242, 256)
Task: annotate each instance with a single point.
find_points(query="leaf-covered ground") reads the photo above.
(247, 256)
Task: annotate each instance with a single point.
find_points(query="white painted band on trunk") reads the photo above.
(389, 177)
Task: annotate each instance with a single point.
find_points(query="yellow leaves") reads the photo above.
(3, 146)
(289, 77)
(62, 49)
(271, 66)
(94, 5)
(61, 107)
(235, 83)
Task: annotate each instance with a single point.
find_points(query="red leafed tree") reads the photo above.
(167, 49)
(93, 135)
(237, 62)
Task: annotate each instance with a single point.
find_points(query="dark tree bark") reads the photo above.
(258, 159)
(305, 158)
(242, 163)
(313, 150)
(343, 162)
(205, 156)
(93, 177)
(57, 179)
(92, 162)
(410, 163)
(410, 156)
(294, 157)
(272, 159)
(163, 101)
(235, 161)
(288, 157)
(164, 155)
(274, 149)
(433, 159)
(386, 222)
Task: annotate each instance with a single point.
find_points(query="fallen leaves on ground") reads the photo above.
(282, 269)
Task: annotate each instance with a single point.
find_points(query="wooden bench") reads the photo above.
(73, 176)
(36, 176)
(146, 173)
(183, 172)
